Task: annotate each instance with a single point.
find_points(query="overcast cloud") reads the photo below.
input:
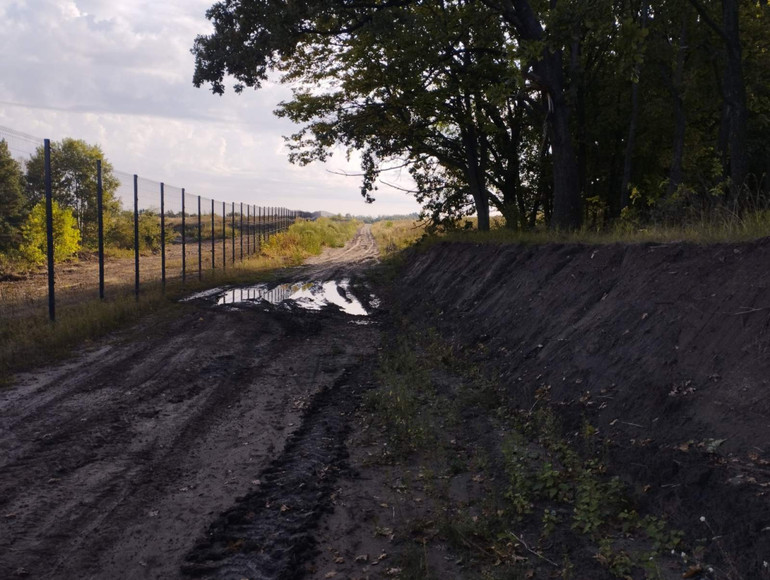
(119, 74)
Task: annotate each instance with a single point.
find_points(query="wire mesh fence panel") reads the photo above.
(116, 232)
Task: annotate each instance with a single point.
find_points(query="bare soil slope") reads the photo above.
(666, 348)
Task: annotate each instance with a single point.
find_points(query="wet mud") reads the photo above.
(227, 439)
(120, 462)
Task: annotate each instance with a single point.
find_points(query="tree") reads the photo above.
(415, 82)
(74, 183)
(527, 106)
(11, 198)
(33, 247)
(733, 137)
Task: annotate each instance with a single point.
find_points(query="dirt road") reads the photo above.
(167, 450)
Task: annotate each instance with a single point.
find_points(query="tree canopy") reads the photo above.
(11, 198)
(74, 183)
(551, 112)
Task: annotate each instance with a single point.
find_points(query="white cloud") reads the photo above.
(120, 74)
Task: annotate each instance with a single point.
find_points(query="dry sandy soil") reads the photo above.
(233, 443)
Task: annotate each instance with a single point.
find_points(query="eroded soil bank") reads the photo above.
(507, 412)
(663, 351)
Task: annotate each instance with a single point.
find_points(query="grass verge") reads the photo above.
(709, 229)
(393, 236)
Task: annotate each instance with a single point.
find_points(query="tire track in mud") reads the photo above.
(112, 464)
(269, 533)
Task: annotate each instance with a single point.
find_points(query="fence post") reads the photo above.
(49, 229)
(213, 239)
(163, 238)
(136, 236)
(184, 242)
(100, 224)
(248, 229)
(200, 242)
(224, 237)
(241, 231)
(232, 226)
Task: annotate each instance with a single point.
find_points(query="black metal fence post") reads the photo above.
(232, 226)
(184, 242)
(100, 224)
(248, 230)
(136, 236)
(241, 231)
(213, 239)
(163, 238)
(49, 229)
(224, 237)
(200, 242)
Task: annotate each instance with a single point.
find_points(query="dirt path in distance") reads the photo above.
(138, 457)
(355, 257)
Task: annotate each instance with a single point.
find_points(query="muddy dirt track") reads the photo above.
(114, 464)
(244, 441)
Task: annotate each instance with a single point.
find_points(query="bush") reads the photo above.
(33, 247)
(121, 232)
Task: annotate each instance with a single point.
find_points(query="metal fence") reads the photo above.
(170, 233)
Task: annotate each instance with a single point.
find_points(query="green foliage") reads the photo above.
(307, 238)
(120, 233)
(459, 93)
(400, 401)
(74, 183)
(11, 198)
(33, 247)
(394, 236)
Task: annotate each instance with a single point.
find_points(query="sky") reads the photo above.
(118, 73)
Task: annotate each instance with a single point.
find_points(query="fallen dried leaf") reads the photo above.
(693, 571)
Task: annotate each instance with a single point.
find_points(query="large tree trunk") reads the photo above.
(630, 143)
(475, 175)
(632, 124)
(735, 93)
(735, 109)
(577, 83)
(567, 210)
(680, 119)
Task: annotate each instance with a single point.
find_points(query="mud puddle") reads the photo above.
(306, 295)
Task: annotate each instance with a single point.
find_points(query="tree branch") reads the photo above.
(709, 21)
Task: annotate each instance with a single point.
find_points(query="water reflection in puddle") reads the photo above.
(307, 295)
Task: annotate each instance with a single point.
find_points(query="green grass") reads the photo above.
(717, 227)
(306, 238)
(28, 341)
(393, 236)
